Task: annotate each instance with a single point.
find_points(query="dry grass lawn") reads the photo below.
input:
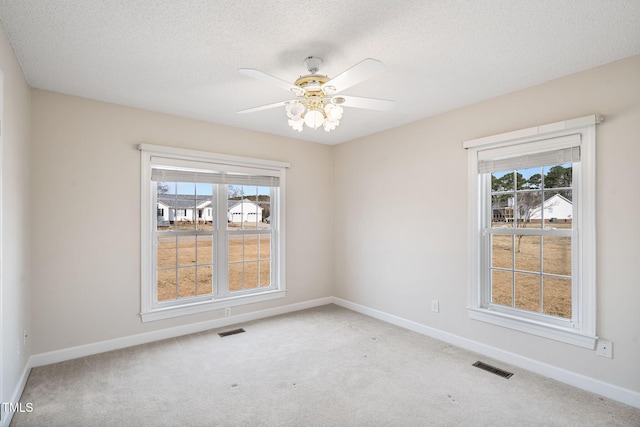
(553, 296)
(189, 271)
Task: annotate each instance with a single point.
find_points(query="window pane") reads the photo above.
(248, 206)
(502, 197)
(527, 253)
(557, 296)
(186, 282)
(250, 275)
(236, 206)
(266, 213)
(532, 178)
(205, 249)
(556, 258)
(501, 287)
(250, 247)
(205, 280)
(165, 193)
(501, 251)
(528, 178)
(528, 209)
(176, 206)
(501, 215)
(265, 273)
(186, 250)
(502, 181)
(166, 284)
(237, 213)
(185, 203)
(235, 277)
(235, 245)
(558, 176)
(528, 291)
(558, 208)
(205, 211)
(166, 252)
(265, 246)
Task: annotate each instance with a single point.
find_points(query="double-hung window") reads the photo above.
(212, 231)
(532, 230)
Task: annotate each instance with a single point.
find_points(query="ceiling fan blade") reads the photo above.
(360, 72)
(366, 103)
(263, 107)
(256, 74)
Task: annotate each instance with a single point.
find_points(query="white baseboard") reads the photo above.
(17, 393)
(118, 343)
(620, 394)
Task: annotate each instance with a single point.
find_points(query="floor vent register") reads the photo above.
(232, 332)
(493, 370)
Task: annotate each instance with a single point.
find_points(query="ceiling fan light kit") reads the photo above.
(315, 105)
(314, 114)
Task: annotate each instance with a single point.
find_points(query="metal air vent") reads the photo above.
(493, 370)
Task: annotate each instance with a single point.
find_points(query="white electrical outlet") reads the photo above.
(227, 312)
(605, 348)
(435, 305)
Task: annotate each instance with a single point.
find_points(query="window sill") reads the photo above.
(202, 306)
(533, 327)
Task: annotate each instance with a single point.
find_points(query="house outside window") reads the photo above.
(532, 230)
(194, 259)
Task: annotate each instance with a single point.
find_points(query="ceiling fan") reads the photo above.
(316, 103)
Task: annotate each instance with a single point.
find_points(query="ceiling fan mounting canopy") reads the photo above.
(314, 104)
(313, 63)
(313, 81)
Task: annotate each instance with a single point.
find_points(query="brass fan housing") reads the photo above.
(311, 79)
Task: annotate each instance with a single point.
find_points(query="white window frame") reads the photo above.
(152, 310)
(580, 330)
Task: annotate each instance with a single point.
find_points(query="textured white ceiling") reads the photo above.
(182, 57)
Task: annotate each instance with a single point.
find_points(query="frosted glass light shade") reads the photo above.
(314, 119)
(334, 112)
(296, 124)
(295, 110)
(313, 114)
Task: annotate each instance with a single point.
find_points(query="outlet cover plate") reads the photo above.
(605, 348)
(435, 305)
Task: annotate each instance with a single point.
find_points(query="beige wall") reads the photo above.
(397, 266)
(15, 220)
(85, 194)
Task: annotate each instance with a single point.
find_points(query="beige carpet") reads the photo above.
(326, 366)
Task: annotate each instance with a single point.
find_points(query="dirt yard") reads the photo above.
(556, 259)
